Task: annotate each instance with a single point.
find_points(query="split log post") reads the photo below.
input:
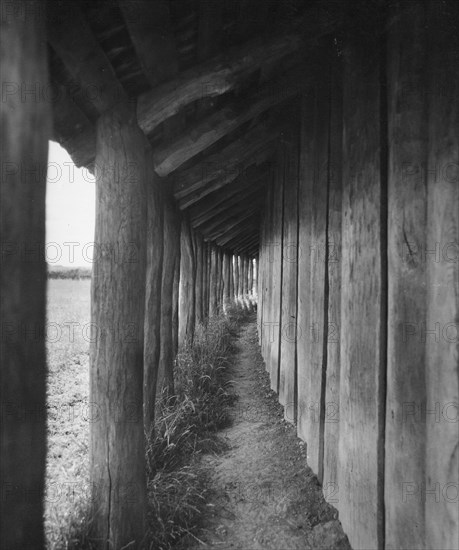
(363, 349)
(407, 196)
(175, 294)
(25, 130)
(288, 343)
(236, 277)
(226, 280)
(117, 447)
(205, 280)
(199, 277)
(187, 295)
(213, 306)
(153, 321)
(333, 255)
(231, 278)
(442, 178)
(171, 236)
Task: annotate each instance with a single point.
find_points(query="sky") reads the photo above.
(70, 211)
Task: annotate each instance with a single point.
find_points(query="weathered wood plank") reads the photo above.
(148, 24)
(333, 256)
(272, 322)
(171, 155)
(171, 236)
(187, 295)
(442, 179)
(209, 79)
(117, 449)
(223, 167)
(407, 133)
(213, 301)
(25, 129)
(76, 45)
(288, 342)
(363, 343)
(153, 282)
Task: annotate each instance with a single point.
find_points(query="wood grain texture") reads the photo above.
(117, 448)
(362, 302)
(153, 295)
(407, 232)
(334, 260)
(25, 129)
(187, 288)
(171, 236)
(442, 360)
(288, 340)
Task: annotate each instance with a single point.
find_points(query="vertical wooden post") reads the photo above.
(199, 278)
(442, 257)
(117, 449)
(171, 232)
(363, 313)
(213, 304)
(333, 252)
(407, 195)
(287, 377)
(231, 278)
(175, 294)
(25, 130)
(152, 327)
(219, 279)
(187, 296)
(236, 277)
(226, 280)
(205, 280)
(250, 286)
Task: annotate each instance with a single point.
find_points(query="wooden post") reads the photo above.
(171, 232)
(287, 375)
(333, 252)
(175, 296)
(363, 314)
(25, 130)
(205, 280)
(199, 278)
(441, 256)
(219, 279)
(231, 278)
(117, 449)
(152, 328)
(236, 277)
(213, 281)
(187, 296)
(407, 194)
(226, 280)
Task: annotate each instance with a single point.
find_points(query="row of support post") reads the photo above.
(153, 282)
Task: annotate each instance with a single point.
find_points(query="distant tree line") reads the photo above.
(59, 272)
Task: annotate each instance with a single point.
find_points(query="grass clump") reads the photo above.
(186, 425)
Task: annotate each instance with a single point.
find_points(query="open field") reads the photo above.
(68, 337)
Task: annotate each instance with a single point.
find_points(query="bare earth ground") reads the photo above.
(263, 495)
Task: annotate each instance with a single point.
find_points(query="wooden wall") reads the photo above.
(375, 286)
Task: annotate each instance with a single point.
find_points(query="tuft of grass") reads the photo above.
(186, 427)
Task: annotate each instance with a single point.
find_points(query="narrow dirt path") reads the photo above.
(264, 496)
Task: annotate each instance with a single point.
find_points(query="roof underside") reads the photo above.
(213, 81)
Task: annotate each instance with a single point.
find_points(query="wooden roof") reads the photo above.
(212, 81)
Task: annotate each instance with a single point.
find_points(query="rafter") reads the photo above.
(170, 156)
(209, 79)
(74, 42)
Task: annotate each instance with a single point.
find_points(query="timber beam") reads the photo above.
(170, 156)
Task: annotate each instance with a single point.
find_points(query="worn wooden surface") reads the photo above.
(187, 287)
(25, 129)
(362, 304)
(407, 195)
(171, 237)
(274, 244)
(117, 448)
(288, 340)
(442, 180)
(153, 294)
(334, 261)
